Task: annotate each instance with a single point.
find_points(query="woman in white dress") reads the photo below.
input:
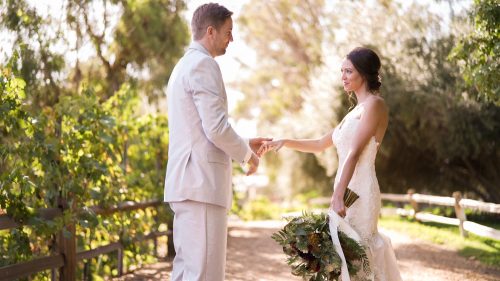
(357, 139)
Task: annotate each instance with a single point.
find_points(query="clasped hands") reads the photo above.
(261, 146)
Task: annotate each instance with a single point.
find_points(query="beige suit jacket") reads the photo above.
(201, 140)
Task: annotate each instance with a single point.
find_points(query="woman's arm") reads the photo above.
(375, 112)
(304, 145)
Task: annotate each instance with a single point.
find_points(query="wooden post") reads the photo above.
(459, 211)
(120, 261)
(53, 247)
(170, 237)
(413, 203)
(86, 270)
(66, 245)
(53, 274)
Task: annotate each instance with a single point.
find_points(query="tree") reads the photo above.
(135, 42)
(478, 51)
(436, 142)
(288, 38)
(277, 29)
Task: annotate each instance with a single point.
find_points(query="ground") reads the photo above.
(254, 256)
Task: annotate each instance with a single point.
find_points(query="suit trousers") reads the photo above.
(200, 241)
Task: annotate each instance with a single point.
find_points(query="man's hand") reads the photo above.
(253, 163)
(256, 143)
(270, 145)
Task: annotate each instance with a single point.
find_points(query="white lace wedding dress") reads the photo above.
(363, 214)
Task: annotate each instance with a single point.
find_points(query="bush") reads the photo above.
(89, 152)
(260, 208)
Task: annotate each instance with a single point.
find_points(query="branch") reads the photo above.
(96, 39)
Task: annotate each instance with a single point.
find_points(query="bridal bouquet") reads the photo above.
(311, 253)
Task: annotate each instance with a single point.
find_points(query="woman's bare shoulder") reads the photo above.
(377, 105)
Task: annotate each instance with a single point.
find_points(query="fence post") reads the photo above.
(170, 237)
(413, 203)
(155, 243)
(86, 270)
(66, 245)
(120, 261)
(53, 247)
(459, 211)
(53, 274)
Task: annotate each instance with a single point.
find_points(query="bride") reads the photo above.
(357, 139)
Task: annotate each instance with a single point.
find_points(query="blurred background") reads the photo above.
(83, 112)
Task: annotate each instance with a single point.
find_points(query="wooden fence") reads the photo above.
(64, 261)
(456, 201)
(415, 200)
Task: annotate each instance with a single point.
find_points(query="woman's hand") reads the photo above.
(270, 145)
(256, 143)
(337, 204)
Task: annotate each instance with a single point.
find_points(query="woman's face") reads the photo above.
(351, 78)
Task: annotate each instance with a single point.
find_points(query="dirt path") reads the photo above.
(254, 256)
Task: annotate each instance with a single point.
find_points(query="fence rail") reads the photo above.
(21, 270)
(47, 214)
(443, 201)
(65, 260)
(456, 201)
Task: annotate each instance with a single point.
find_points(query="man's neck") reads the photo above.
(204, 42)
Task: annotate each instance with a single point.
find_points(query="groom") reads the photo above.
(201, 146)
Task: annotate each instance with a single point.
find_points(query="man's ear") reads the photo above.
(210, 30)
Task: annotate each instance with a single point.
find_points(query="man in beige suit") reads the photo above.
(202, 144)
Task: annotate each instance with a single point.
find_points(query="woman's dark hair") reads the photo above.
(211, 14)
(367, 63)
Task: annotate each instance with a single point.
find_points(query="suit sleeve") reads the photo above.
(207, 87)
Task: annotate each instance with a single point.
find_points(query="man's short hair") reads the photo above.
(211, 14)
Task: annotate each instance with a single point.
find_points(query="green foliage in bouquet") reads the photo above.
(310, 251)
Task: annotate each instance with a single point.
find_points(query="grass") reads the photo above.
(486, 250)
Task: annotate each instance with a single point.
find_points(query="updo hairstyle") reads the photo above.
(367, 63)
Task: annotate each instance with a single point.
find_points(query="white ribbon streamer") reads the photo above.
(338, 223)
